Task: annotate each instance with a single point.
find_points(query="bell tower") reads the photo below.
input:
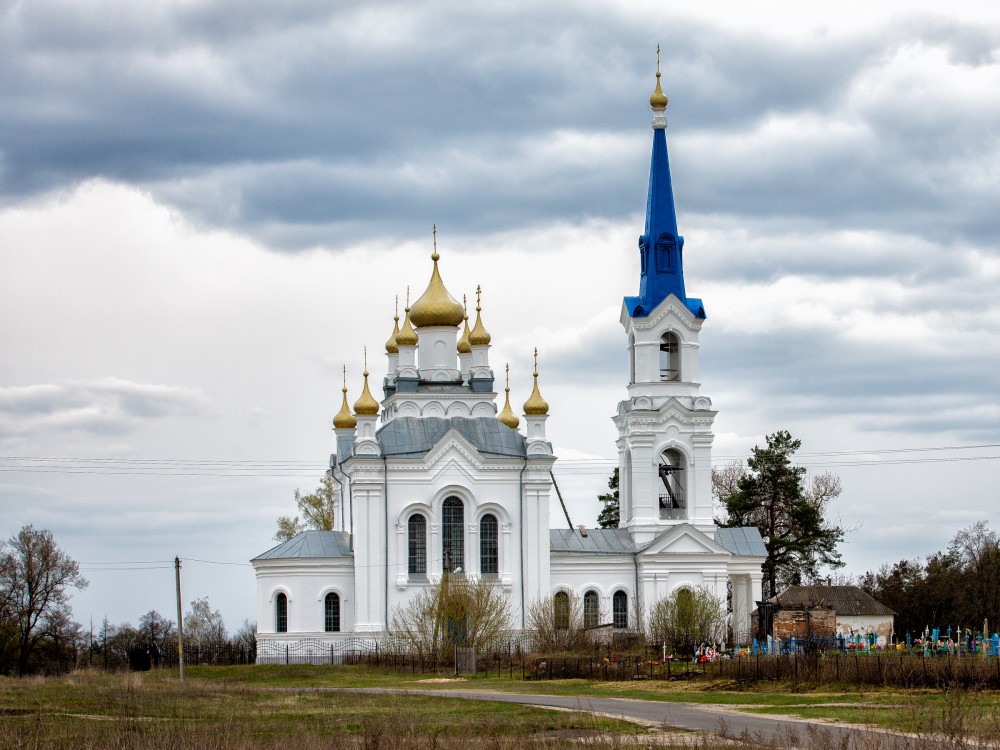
(665, 424)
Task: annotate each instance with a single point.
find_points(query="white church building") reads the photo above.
(434, 476)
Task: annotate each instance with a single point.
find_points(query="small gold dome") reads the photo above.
(436, 307)
(507, 416)
(535, 404)
(366, 404)
(479, 336)
(658, 100)
(390, 346)
(464, 347)
(344, 418)
(406, 336)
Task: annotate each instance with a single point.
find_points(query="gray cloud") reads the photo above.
(317, 124)
(108, 406)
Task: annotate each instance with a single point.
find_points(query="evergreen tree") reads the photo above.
(772, 495)
(609, 517)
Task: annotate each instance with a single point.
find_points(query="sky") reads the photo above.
(208, 207)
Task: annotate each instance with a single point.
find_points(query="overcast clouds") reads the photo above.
(206, 208)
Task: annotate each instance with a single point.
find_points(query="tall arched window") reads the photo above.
(281, 614)
(591, 609)
(673, 500)
(331, 619)
(619, 610)
(489, 546)
(453, 535)
(560, 610)
(670, 356)
(416, 531)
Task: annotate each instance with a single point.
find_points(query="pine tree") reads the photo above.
(772, 495)
(609, 517)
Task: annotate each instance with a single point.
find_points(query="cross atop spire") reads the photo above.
(661, 271)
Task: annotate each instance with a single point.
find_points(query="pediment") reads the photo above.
(670, 308)
(684, 539)
(454, 450)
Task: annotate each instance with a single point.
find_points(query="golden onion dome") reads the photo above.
(507, 416)
(344, 418)
(479, 336)
(436, 307)
(536, 405)
(390, 346)
(366, 404)
(406, 336)
(658, 100)
(464, 347)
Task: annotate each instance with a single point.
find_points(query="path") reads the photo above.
(696, 717)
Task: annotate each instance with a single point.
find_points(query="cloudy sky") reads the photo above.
(207, 208)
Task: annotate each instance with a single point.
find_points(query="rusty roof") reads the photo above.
(844, 600)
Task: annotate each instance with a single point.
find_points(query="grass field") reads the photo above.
(241, 707)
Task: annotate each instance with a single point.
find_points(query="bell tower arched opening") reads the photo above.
(670, 356)
(673, 495)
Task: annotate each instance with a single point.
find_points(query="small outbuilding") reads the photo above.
(829, 611)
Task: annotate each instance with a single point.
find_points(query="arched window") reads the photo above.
(281, 614)
(489, 546)
(619, 610)
(670, 356)
(560, 610)
(453, 535)
(416, 529)
(591, 610)
(673, 502)
(331, 620)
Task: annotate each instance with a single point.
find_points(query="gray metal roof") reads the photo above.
(414, 437)
(844, 600)
(742, 541)
(597, 542)
(311, 544)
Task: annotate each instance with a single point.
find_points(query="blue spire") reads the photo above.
(661, 271)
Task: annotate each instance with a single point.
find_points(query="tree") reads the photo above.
(453, 612)
(772, 495)
(610, 514)
(316, 509)
(35, 576)
(556, 623)
(686, 617)
(203, 626)
(155, 627)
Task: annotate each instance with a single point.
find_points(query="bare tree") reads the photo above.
(35, 576)
(686, 617)
(557, 623)
(204, 626)
(453, 612)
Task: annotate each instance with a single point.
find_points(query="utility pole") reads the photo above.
(180, 618)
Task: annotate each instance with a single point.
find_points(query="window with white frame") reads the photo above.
(453, 535)
(416, 532)
(489, 546)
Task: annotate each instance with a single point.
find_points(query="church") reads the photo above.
(435, 478)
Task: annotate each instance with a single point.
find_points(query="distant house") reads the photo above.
(828, 611)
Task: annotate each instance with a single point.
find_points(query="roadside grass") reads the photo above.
(906, 711)
(92, 709)
(251, 707)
